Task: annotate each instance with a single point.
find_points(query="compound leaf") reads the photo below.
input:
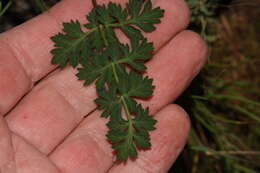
(68, 45)
(116, 68)
(145, 17)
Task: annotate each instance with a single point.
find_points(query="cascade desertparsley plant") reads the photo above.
(115, 67)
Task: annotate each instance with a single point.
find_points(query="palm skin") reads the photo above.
(45, 131)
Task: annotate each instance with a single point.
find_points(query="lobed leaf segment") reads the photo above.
(116, 68)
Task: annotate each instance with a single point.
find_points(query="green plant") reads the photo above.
(224, 112)
(41, 5)
(4, 8)
(203, 13)
(116, 68)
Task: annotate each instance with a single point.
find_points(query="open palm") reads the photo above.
(42, 109)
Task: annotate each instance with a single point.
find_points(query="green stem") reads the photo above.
(128, 22)
(126, 109)
(101, 30)
(103, 34)
(79, 40)
(114, 71)
(2, 11)
(123, 99)
(94, 2)
(234, 97)
(128, 114)
(42, 6)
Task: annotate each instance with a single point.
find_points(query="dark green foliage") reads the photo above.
(4, 8)
(116, 68)
(144, 17)
(133, 85)
(69, 46)
(128, 135)
(105, 64)
(224, 112)
(203, 14)
(41, 5)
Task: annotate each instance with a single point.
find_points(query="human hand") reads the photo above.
(46, 130)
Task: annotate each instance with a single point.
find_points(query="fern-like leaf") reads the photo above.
(114, 67)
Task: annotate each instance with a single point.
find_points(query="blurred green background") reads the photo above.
(224, 100)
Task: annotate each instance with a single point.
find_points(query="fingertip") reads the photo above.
(174, 125)
(198, 45)
(173, 113)
(169, 139)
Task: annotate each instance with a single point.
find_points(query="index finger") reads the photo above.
(25, 50)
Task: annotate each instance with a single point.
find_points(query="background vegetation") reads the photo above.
(224, 100)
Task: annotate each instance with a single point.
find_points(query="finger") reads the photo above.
(59, 103)
(26, 48)
(167, 140)
(174, 67)
(84, 149)
(88, 142)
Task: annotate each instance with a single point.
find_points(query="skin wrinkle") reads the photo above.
(182, 118)
(15, 52)
(6, 142)
(147, 165)
(11, 76)
(26, 156)
(86, 131)
(19, 52)
(36, 137)
(30, 61)
(38, 73)
(63, 97)
(96, 135)
(76, 153)
(76, 90)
